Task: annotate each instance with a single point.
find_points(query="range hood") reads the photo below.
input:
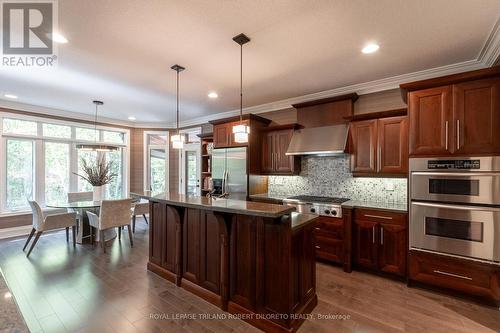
(323, 141)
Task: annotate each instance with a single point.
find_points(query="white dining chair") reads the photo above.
(139, 208)
(42, 222)
(113, 214)
(80, 196)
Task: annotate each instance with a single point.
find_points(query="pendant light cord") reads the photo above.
(241, 83)
(95, 123)
(177, 102)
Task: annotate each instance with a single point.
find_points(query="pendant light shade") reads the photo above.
(95, 146)
(241, 131)
(177, 139)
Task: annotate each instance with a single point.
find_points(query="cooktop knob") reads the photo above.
(327, 212)
(313, 210)
(334, 212)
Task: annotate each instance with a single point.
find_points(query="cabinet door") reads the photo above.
(156, 232)
(221, 135)
(283, 163)
(365, 243)
(267, 152)
(393, 145)
(364, 146)
(191, 244)
(430, 121)
(476, 111)
(393, 249)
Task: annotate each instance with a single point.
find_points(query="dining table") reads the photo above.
(83, 227)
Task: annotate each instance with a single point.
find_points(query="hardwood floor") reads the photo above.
(62, 289)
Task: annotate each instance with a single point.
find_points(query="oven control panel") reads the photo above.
(454, 164)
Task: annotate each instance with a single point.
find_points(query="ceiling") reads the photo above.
(120, 51)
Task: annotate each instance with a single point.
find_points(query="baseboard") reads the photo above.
(15, 231)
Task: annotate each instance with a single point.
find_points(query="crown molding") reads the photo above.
(490, 53)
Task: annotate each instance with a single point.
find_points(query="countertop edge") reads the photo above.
(375, 206)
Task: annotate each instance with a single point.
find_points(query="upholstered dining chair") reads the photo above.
(139, 208)
(113, 214)
(80, 196)
(42, 222)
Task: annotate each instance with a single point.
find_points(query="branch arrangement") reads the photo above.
(97, 173)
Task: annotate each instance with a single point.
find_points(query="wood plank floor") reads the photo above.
(62, 289)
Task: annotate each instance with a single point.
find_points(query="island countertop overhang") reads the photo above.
(219, 205)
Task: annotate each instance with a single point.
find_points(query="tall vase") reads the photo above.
(97, 193)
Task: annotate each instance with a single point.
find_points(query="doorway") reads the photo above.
(189, 180)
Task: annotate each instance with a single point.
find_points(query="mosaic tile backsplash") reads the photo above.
(331, 176)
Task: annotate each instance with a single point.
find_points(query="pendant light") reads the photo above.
(96, 146)
(177, 139)
(241, 131)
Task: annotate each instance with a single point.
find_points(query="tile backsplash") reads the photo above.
(331, 176)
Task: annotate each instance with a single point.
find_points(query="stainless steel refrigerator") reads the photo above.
(229, 172)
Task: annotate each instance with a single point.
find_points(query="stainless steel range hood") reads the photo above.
(323, 141)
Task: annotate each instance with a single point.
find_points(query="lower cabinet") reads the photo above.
(469, 277)
(380, 240)
(329, 239)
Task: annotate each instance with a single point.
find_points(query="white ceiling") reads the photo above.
(121, 51)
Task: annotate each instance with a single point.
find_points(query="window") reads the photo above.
(38, 159)
(112, 137)
(57, 131)
(57, 163)
(17, 126)
(156, 152)
(158, 170)
(87, 134)
(20, 173)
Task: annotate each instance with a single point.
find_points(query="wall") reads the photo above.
(331, 176)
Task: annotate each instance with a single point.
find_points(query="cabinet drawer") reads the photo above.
(330, 249)
(330, 228)
(470, 277)
(380, 216)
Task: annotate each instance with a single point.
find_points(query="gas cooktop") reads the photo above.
(317, 199)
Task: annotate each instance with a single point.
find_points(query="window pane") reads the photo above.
(154, 139)
(90, 157)
(113, 137)
(157, 170)
(191, 174)
(20, 178)
(56, 171)
(57, 131)
(86, 134)
(17, 126)
(114, 189)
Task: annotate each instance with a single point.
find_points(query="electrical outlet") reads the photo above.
(389, 186)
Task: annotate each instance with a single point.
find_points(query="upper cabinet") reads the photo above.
(224, 137)
(275, 141)
(379, 146)
(455, 115)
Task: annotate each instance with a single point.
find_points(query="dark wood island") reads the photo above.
(249, 258)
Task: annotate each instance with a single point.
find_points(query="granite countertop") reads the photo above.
(267, 196)
(393, 206)
(300, 220)
(10, 316)
(220, 205)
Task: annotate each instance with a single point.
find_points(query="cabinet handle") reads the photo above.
(453, 275)
(381, 236)
(317, 228)
(318, 247)
(379, 157)
(458, 134)
(373, 234)
(446, 135)
(379, 217)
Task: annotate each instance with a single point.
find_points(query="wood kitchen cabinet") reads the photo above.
(275, 141)
(379, 146)
(455, 115)
(224, 137)
(380, 240)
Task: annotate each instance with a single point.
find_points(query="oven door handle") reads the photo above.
(456, 207)
(456, 174)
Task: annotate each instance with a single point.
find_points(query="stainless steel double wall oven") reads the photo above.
(455, 206)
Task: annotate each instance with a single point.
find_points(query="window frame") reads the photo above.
(39, 155)
(147, 162)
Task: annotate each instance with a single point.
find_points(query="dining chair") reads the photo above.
(80, 196)
(140, 208)
(43, 222)
(113, 214)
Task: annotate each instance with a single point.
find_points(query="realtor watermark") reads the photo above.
(27, 30)
(248, 316)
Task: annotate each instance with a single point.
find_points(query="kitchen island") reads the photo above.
(252, 259)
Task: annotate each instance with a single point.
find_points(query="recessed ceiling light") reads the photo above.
(58, 38)
(10, 96)
(131, 118)
(370, 48)
(212, 94)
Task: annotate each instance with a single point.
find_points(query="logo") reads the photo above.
(27, 28)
